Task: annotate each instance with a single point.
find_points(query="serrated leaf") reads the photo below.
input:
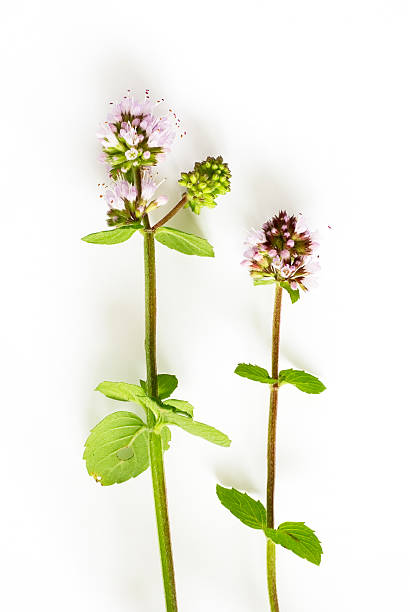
(117, 448)
(195, 428)
(302, 380)
(114, 236)
(180, 406)
(293, 293)
(254, 372)
(167, 383)
(184, 242)
(298, 538)
(126, 392)
(251, 512)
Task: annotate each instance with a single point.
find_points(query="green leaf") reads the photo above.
(167, 383)
(298, 538)
(180, 406)
(165, 437)
(114, 236)
(254, 372)
(183, 242)
(302, 380)
(126, 392)
(294, 293)
(195, 428)
(263, 281)
(117, 448)
(246, 509)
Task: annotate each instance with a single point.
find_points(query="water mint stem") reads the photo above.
(271, 575)
(161, 512)
(155, 443)
(271, 452)
(150, 311)
(171, 213)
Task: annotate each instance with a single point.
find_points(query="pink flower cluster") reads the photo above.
(121, 191)
(283, 251)
(126, 205)
(134, 136)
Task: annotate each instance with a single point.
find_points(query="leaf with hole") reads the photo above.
(251, 512)
(117, 448)
(165, 437)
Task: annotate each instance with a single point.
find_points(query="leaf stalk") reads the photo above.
(171, 213)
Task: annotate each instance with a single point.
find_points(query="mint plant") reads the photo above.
(123, 445)
(283, 253)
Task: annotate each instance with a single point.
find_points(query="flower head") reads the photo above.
(126, 205)
(205, 182)
(133, 136)
(282, 251)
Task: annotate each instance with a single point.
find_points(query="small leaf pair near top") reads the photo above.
(302, 380)
(189, 244)
(294, 294)
(296, 537)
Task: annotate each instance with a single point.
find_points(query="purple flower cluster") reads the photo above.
(133, 136)
(133, 140)
(126, 205)
(282, 251)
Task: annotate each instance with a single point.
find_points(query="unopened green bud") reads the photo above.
(205, 182)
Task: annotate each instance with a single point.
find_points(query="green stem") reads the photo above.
(155, 442)
(271, 453)
(150, 311)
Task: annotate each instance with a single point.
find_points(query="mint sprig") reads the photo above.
(296, 537)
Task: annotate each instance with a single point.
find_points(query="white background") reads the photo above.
(309, 104)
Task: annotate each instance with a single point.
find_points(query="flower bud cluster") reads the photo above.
(205, 182)
(133, 136)
(282, 251)
(126, 205)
